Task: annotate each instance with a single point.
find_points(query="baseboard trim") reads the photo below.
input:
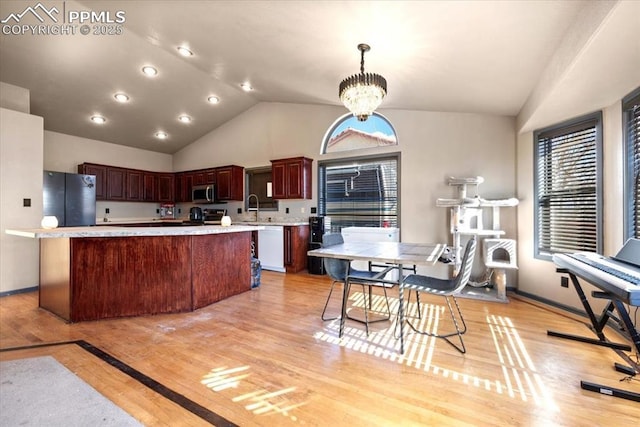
(19, 291)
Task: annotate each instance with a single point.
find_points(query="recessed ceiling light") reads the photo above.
(121, 97)
(162, 135)
(149, 70)
(98, 119)
(246, 86)
(184, 118)
(184, 51)
(213, 99)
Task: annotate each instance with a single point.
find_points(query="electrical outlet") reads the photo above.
(287, 210)
(302, 210)
(239, 210)
(26, 203)
(564, 282)
(314, 210)
(106, 210)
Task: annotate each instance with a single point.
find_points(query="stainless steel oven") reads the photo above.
(203, 193)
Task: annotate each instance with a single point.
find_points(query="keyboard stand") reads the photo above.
(597, 326)
(597, 323)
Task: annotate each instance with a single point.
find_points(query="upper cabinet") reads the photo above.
(100, 173)
(292, 178)
(204, 176)
(116, 183)
(135, 184)
(183, 184)
(149, 184)
(166, 187)
(132, 185)
(229, 183)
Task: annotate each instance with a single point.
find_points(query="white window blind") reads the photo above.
(359, 192)
(568, 187)
(631, 113)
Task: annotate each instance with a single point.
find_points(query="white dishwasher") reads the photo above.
(271, 248)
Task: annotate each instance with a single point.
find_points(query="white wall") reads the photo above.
(63, 153)
(538, 277)
(433, 146)
(21, 160)
(14, 98)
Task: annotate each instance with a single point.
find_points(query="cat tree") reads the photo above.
(499, 254)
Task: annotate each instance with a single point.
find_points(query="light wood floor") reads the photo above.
(265, 358)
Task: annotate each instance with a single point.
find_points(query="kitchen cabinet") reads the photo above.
(100, 172)
(291, 178)
(229, 183)
(123, 184)
(148, 187)
(198, 178)
(116, 183)
(166, 190)
(184, 182)
(135, 182)
(282, 248)
(204, 176)
(296, 242)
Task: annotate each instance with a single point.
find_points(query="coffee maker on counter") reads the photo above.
(168, 211)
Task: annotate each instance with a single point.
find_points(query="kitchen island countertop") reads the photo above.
(271, 223)
(92, 273)
(115, 231)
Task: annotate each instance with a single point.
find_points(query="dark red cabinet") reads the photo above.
(291, 178)
(229, 183)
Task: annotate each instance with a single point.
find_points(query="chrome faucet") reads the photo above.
(257, 209)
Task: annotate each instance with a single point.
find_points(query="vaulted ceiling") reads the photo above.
(459, 56)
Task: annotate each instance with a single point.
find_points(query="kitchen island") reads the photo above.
(91, 273)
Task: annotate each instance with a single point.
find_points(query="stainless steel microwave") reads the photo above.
(203, 193)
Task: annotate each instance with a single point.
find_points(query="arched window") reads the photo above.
(348, 133)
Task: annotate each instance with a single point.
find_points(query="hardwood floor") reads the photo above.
(265, 358)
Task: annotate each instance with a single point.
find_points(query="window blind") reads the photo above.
(360, 192)
(631, 112)
(567, 188)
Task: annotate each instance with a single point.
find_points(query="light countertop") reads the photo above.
(267, 223)
(123, 221)
(114, 231)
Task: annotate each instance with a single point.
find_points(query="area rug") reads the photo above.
(39, 391)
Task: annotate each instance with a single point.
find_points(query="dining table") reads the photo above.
(395, 255)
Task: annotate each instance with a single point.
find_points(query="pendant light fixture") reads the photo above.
(362, 93)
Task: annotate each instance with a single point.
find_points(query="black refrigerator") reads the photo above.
(70, 197)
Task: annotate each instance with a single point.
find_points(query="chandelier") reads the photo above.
(362, 93)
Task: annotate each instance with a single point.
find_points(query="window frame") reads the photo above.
(348, 117)
(631, 147)
(351, 160)
(568, 127)
(249, 173)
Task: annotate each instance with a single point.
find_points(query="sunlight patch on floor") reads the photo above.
(520, 379)
(520, 375)
(259, 402)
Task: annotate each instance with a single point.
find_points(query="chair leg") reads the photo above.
(417, 301)
(327, 303)
(366, 320)
(461, 348)
(366, 311)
